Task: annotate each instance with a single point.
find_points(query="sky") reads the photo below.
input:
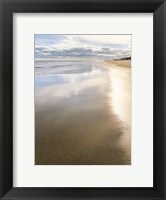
(82, 46)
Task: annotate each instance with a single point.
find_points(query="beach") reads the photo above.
(82, 113)
(121, 63)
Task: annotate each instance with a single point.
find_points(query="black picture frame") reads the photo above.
(7, 8)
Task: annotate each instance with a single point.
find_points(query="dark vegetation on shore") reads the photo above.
(127, 58)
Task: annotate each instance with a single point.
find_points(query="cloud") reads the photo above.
(91, 46)
(107, 39)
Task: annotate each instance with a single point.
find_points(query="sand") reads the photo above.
(82, 128)
(121, 63)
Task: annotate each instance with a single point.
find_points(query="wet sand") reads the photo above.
(79, 122)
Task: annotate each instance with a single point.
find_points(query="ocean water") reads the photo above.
(82, 113)
(47, 73)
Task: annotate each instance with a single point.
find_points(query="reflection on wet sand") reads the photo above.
(79, 118)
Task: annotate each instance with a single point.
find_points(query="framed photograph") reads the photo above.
(82, 99)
